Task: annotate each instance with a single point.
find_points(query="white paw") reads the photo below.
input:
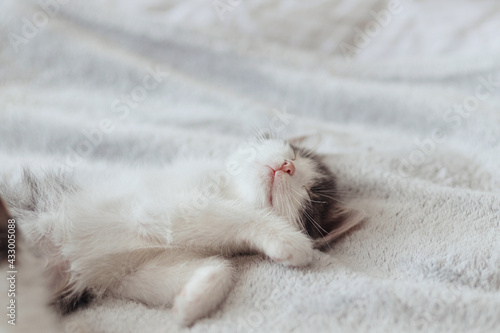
(185, 309)
(203, 293)
(192, 303)
(291, 250)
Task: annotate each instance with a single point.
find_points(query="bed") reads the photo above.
(402, 97)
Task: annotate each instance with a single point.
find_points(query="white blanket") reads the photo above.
(404, 99)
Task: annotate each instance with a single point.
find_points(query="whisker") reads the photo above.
(301, 195)
(333, 198)
(309, 216)
(312, 220)
(256, 132)
(321, 202)
(302, 227)
(348, 193)
(342, 192)
(291, 196)
(289, 211)
(317, 225)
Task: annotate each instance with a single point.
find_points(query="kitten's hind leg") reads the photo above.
(194, 284)
(205, 290)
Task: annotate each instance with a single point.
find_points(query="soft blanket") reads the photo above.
(403, 97)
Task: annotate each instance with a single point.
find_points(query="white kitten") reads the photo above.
(165, 236)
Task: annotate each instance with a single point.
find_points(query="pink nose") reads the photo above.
(288, 167)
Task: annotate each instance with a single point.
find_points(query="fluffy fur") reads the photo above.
(165, 236)
(31, 293)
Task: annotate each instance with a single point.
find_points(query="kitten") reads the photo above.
(164, 236)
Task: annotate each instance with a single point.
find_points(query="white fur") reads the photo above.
(157, 235)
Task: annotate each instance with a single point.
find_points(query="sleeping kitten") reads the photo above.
(165, 236)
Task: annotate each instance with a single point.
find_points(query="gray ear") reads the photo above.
(340, 221)
(309, 141)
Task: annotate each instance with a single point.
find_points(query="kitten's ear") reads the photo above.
(309, 141)
(340, 221)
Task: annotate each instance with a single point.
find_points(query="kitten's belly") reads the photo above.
(136, 208)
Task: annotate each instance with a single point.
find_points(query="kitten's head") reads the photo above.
(295, 183)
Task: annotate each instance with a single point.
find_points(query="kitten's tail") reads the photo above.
(31, 194)
(28, 197)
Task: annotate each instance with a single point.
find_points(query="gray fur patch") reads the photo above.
(33, 194)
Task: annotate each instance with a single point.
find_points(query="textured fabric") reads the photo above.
(409, 119)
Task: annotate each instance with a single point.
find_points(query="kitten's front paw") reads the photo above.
(294, 250)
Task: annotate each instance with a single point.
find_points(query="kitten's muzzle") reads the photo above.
(286, 167)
